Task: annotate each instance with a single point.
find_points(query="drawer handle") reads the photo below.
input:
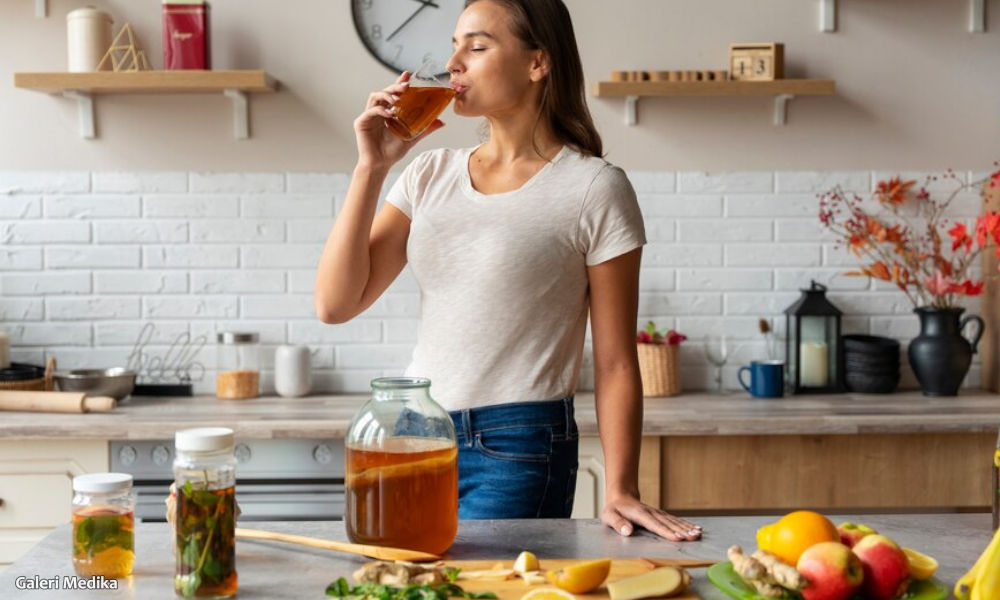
(1, 502)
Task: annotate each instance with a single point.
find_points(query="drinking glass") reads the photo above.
(717, 353)
(420, 103)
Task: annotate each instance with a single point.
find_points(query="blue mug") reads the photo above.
(767, 378)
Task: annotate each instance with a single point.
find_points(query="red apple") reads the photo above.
(887, 570)
(833, 572)
(851, 533)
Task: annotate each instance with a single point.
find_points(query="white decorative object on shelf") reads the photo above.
(88, 35)
(292, 371)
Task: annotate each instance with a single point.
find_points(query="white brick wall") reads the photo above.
(87, 259)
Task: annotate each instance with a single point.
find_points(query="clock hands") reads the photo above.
(423, 4)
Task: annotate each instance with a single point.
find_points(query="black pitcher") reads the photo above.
(940, 356)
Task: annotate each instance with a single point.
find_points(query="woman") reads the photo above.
(511, 242)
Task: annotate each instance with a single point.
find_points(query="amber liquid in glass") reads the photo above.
(417, 108)
(206, 543)
(103, 541)
(404, 495)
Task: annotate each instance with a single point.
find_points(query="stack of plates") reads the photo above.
(871, 364)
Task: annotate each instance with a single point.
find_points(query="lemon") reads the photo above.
(548, 594)
(921, 565)
(526, 561)
(582, 577)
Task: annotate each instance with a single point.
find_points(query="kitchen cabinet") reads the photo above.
(926, 472)
(36, 487)
(590, 476)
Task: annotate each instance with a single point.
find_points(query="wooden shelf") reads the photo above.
(82, 86)
(782, 90)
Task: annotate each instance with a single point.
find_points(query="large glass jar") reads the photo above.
(205, 519)
(238, 374)
(103, 525)
(402, 469)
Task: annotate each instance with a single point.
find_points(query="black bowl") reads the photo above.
(870, 344)
(869, 365)
(862, 383)
(870, 360)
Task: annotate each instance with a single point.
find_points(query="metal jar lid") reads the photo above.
(237, 337)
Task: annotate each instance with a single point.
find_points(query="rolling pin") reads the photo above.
(58, 402)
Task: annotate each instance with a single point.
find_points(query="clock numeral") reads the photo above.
(376, 32)
(366, 4)
(399, 51)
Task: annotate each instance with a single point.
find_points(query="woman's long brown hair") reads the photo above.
(546, 25)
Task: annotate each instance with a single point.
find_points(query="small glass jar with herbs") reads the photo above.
(205, 517)
(103, 525)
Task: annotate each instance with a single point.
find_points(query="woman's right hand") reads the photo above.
(377, 146)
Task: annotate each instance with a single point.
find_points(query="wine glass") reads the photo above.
(717, 353)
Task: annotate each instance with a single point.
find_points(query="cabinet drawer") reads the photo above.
(35, 499)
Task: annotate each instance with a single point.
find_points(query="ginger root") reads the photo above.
(399, 573)
(754, 573)
(780, 573)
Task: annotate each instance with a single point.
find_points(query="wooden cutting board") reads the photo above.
(513, 589)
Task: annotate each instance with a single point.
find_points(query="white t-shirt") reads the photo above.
(503, 277)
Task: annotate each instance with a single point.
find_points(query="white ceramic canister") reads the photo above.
(292, 372)
(88, 37)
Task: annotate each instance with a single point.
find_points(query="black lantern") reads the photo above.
(813, 357)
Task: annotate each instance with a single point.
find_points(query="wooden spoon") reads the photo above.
(379, 552)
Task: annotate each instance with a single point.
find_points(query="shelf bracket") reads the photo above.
(631, 110)
(85, 110)
(41, 9)
(828, 15)
(977, 16)
(241, 114)
(781, 108)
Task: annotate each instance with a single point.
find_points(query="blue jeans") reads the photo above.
(517, 461)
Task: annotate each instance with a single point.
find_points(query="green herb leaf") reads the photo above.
(451, 573)
(213, 570)
(187, 489)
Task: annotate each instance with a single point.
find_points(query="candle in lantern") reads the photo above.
(813, 364)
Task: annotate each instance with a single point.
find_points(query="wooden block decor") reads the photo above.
(757, 61)
(989, 346)
(124, 54)
(687, 75)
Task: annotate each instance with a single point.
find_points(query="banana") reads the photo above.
(987, 584)
(963, 588)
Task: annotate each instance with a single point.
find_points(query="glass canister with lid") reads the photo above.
(402, 469)
(103, 525)
(238, 374)
(205, 517)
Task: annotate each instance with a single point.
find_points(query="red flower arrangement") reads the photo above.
(651, 336)
(911, 250)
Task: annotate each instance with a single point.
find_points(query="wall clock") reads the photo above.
(403, 34)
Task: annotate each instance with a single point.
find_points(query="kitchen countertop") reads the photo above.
(328, 416)
(276, 571)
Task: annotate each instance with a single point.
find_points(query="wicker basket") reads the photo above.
(41, 384)
(658, 369)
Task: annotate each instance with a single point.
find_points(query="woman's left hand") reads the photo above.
(624, 513)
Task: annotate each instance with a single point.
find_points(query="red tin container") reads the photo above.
(185, 35)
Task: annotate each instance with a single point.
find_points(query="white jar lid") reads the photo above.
(204, 439)
(102, 482)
